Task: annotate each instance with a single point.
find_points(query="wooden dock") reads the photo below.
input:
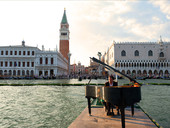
(99, 119)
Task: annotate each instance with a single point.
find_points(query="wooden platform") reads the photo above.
(100, 120)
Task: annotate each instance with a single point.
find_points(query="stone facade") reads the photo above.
(24, 60)
(140, 58)
(77, 69)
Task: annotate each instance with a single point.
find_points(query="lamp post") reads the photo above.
(99, 54)
(69, 55)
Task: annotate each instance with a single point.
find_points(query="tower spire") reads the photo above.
(64, 19)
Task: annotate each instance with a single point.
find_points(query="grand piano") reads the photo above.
(121, 96)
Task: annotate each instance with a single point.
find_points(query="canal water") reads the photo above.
(57, 106)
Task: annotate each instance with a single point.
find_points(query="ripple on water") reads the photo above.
(55, 106)
(40, 106)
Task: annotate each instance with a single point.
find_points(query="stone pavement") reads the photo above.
(98, 119)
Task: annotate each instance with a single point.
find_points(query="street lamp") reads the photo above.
(99, 54)
(69, 55)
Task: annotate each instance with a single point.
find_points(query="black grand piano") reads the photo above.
(121, 96)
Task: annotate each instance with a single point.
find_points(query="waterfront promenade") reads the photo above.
(100, 120)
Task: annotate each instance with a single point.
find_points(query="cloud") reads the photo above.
(103, 22)
(168, 17)
(164, 6)
(155, 19)
(103, 11)
(146, 32)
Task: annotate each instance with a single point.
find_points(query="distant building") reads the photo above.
(139, 58)
(93, 69)
(22, 60)
(77, 69)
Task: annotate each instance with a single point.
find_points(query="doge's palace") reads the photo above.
(140, 58)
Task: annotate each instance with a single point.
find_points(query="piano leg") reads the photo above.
(122, 110)
(132, 109)
(89, 106)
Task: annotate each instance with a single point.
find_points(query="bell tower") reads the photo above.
(64, 36)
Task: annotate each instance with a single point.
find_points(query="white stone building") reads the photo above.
(24, 60)
(139, 58)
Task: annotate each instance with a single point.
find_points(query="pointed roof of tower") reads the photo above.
(64, 19)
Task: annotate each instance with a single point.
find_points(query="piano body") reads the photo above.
(121, 96)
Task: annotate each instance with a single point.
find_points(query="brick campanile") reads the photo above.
(64, 36)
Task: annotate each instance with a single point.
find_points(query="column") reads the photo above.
(43, 72)
(69, 55)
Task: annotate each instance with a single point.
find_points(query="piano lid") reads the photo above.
(117, 72)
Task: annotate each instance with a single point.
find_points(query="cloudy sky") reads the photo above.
(94, 25)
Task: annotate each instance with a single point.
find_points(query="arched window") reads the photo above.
(123, 53)
(150, 53)
(1, 72)
(52, 61)
(136, 53)
(14, 72)
(121, 65)
(19, 72)
(11, 52)
(151, 65)
(137, 64)
(2, 52)
(41, 60)
(33, 53)
(10, 72)
(32, 64)
(23, 72)
(126, 64)
(27, 72)
(161, 54)
(32, 73)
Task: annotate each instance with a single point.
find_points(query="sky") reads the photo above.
(94, 25)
